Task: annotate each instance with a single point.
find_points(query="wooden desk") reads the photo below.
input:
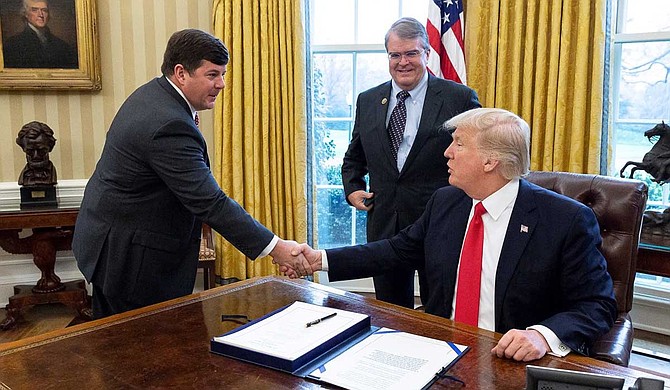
(167, 345)
(653, 260)
(52, 231)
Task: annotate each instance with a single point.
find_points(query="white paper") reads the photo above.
(389, 359)
(285, 334)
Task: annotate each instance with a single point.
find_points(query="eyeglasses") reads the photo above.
(410, 55)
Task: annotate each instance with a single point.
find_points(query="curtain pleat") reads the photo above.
(260, 125)
(543, 60)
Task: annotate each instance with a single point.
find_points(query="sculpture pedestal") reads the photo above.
(38, 196)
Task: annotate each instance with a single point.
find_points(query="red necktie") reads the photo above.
(197, 120)
(470, 271)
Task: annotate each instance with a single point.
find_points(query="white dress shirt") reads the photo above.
(499, 206)
(414, 106)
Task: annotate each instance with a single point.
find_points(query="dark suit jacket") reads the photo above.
(551, 273)
(400, 197)
(26, 51)
(138, 230)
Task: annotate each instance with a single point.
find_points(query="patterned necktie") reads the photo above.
(197, 120)
(470, 271)
(397, 122)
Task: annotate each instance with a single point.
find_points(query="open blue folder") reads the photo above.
(344, 350)
(302, 365)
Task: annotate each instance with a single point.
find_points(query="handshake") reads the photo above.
(296, 260)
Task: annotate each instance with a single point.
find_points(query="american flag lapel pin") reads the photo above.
(524, 229)
(384, 101)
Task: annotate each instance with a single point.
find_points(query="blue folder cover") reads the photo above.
(304, 364)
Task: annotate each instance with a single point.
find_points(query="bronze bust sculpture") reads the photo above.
(37, 140)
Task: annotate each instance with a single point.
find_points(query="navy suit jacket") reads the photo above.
(400, 197)
(550, 271)
(138, 231)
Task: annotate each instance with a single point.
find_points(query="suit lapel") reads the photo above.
(431, 109)
(162, 81)
(458, 222)
(169, 89)
(519, 231)
(381, 103)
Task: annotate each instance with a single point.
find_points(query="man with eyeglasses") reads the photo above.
(401, 152)
(36, 46)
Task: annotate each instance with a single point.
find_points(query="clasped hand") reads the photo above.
(296, 260)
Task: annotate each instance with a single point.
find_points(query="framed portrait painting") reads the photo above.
(49, 44)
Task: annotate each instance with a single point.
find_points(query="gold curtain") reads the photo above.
(260, 123)
(543, 60)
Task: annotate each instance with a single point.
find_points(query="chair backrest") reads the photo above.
(618, 205)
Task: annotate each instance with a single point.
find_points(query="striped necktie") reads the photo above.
(397, 122)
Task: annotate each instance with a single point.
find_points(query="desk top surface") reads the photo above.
(168, 345)
(14, 217)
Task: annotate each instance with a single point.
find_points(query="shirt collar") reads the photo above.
(500, 200)
(414, 92)
(182, 95)
(40, 33)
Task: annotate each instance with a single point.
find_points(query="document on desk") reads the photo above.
(389, 359)
(284, 340)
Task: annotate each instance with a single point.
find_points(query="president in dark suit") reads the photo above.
(36, 46)
(542, 279)
(138, 231)
(402, 180)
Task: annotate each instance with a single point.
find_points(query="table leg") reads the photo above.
(43, 244)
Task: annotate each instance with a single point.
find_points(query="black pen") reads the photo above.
(320, 319)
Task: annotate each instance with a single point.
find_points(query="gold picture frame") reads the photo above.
(72, 61)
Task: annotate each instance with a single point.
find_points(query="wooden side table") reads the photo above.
(52, 231)
(653, 260)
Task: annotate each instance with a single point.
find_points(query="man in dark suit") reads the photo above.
(138, 231)
(401, 181)
(36, 46)
(544, 282)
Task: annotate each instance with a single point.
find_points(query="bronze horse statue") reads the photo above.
(656, 161)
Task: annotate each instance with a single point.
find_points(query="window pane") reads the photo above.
(332, 22)
(631, 145)
(333, 219)
(371, 70)
(361, 235)
(643, 87)
(415, 9)
(332, 85)
(646, 16)
(331, 140)
(374, 19)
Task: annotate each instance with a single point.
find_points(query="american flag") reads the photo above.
(445, 33)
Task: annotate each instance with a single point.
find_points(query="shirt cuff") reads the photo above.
(269, 248)
(557, 347)
(324, 260)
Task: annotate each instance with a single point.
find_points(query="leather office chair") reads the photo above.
(618, 205)
(207, 257)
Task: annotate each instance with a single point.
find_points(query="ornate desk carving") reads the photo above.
(52, 231)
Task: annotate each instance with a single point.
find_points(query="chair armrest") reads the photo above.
(615, 346)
